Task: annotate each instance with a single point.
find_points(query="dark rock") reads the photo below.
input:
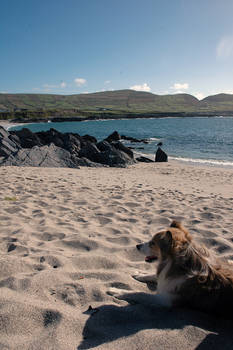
(144, 159)
(3, 133)
(15, 139)
(132, 139)
(51, 136)
(44, 156)
(7, 145)
(54, 149)
(160, 156)
(85, 162)
(115, 158)
(27, 138)
(103, 146)
(91, 152)
(72, 142)
(89, 138)
(115, 136)
(118, 145)
(115, 154)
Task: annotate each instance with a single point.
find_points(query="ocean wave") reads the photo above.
(154, 139)
(212, 162)
(208, 162)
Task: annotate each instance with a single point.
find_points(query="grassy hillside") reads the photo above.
(121, 101)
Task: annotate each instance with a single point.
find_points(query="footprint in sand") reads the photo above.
(85, 245)
(123, 240)
(104, 220)
(13, 210)
(132, 204)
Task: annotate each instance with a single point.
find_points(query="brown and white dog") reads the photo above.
(187, 274)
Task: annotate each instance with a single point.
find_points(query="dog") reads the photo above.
(187, 274)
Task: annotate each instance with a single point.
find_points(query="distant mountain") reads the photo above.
(120, 101)
(220, 102)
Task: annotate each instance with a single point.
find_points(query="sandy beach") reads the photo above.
(68, 235)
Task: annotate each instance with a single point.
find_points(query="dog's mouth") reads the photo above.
(150, 258)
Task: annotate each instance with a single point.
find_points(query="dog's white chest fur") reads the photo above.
(168, 285)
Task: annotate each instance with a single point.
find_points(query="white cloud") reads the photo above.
(199, 95)
(221, 92)
(63, 84)
(225, 47)
(107, 82)
(49, 87)
(143, 87)
(180, 86)
(80, 81)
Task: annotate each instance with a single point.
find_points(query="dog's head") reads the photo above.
(165, 243)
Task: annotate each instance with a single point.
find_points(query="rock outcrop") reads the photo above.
(144, 159)
(54, 149)
(133, 139)
(160, 156)
(8, 144)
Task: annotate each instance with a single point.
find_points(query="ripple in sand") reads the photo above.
(84, 245)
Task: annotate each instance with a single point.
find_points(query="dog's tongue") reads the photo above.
(150, 258)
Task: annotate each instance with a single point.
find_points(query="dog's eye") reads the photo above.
(151, 244)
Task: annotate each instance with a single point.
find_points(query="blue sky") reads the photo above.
(76, 46)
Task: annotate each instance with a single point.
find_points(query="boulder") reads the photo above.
(44, 156)
(86, 162)
(27, 138)
(7, 145)
(115, 158)
(132, 139)
(54, 149)
(88, 138)
(72, 142)
(118, 145)
(107, 154)
(91, 152)
(160, 156)
(3, 133)
(51, 136)
(115, 136)
(144, 159)
(103, 146)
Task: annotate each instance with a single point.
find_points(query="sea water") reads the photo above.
(193, 139)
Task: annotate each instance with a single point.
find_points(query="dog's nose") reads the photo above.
(138, 246)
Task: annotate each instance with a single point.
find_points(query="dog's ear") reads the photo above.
(168, 238)
(165, 241)
(176, 224)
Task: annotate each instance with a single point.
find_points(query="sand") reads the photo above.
(68, 235)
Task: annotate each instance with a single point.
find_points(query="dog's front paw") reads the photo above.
(145, 278)
(121, 295)
(115, 292)
(139, 278)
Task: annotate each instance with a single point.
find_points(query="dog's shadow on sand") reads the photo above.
(113, 322)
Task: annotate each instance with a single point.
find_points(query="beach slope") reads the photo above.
(68, 235)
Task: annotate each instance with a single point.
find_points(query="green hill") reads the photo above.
(121, 100)
(115, 102)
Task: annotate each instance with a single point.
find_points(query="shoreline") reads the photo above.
(7, 125)
(210, 163)
(106, 116)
